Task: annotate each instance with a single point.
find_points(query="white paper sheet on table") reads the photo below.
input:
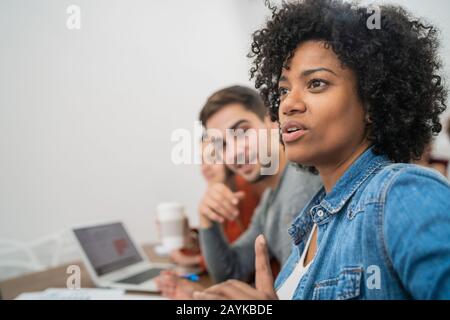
(85, 294)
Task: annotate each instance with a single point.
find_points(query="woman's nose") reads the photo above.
(292, 104)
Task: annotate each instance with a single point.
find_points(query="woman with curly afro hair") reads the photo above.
(356, 105)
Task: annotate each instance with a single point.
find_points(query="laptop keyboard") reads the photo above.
(142, 277)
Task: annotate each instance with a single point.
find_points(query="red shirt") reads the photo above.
(233, 229)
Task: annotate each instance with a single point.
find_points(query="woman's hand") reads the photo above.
(238, 290)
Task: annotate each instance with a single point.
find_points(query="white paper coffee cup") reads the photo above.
(171, 220)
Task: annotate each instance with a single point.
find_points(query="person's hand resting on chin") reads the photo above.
(238, 290)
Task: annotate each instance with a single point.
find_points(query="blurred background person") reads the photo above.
(448, 130)
(427, 160)
(240, 110)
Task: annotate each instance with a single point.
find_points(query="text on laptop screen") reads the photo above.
(108, 247)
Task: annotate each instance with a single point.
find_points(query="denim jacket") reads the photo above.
(383, 233)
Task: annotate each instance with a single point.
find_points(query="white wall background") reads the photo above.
(86, 115)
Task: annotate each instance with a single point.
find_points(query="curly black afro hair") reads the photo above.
(396, 66)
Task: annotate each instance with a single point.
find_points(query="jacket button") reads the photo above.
(320, 213)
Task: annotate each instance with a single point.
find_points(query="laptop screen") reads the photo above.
(108, 247)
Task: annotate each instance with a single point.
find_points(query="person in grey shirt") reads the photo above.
(285, 190)
(288, 189)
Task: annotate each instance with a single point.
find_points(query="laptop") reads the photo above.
(114, 261)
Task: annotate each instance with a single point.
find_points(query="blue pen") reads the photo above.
(191, 276)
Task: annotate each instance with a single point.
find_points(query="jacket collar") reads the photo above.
(353, 178)
(323, 205)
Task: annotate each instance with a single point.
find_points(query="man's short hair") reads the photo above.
(247, 97)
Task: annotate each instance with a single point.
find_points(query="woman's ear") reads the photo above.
(367, 118)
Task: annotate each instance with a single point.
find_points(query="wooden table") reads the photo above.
(56, 278)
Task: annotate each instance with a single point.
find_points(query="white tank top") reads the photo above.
(287, 289)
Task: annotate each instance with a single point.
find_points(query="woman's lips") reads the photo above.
(292, 131)
(293, 136)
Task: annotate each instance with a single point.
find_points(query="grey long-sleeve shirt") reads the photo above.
(272, 217)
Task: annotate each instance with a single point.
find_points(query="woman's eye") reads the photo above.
(282, 91)
(317, 84)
